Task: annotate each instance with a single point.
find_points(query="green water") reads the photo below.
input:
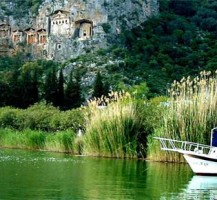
(44, 176)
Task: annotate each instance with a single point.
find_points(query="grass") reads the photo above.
(37, 140)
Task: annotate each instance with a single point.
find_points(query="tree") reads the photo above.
(73, 92)
(50, 87)
(15, 92)
(28, 90)
(35, 87)
(4, 88)
(60, 90)
(99, 87)
(184, 7)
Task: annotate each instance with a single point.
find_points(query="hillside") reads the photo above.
(180, 41)
(62, 29)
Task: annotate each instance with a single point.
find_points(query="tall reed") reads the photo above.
(191, 113)
(113, 130)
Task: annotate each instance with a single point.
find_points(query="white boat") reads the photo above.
(201, 158)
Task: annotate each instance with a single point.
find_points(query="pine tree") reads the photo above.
(35, 90)
(4, 88)
(50, 88)
(98, 89)
(15, 92)
(60, 90)
(73, 92)
(106, 88)
(27, 90)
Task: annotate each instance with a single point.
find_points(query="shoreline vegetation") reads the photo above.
(190, 114)
(180, 41)
(124, 128)
(116, 130)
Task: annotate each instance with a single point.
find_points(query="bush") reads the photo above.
(9, 117)
(41, 117)
(106, 27)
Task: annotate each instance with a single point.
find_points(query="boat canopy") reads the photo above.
(214, 137)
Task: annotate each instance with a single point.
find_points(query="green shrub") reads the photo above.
(106, 27)
(8, 117)
(41, 117)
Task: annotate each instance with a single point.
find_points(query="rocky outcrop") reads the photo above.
(64, 29)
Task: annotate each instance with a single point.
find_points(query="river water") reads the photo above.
(43, 176)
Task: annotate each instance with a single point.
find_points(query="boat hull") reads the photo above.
(202, 165)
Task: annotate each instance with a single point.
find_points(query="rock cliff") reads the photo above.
(63, 29)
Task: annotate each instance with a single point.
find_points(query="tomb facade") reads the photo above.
(31, 37)
(60, 23)
(17, 36)
(5, 30)
(41, 36)
(85, 28)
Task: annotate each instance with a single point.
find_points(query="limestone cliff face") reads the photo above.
(64, 29)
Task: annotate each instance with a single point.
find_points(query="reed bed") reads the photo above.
(190, 115)
(113, 130)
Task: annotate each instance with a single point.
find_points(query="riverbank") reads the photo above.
(120, 130)
(123, 129)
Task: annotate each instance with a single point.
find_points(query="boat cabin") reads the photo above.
(213, 140)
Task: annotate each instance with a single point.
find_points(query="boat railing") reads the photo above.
(177, 145)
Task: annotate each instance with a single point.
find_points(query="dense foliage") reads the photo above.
(24, 83)
(20, 8)
(41, 117)
(181, 41)
(176, 43)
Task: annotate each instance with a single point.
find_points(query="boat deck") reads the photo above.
(186, 147)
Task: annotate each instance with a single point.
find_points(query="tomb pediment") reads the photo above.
(82, 21)
(60, 14)
(30, 30)
(41, 31)
(17, 32)
(4, 26)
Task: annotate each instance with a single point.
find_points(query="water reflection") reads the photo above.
(202, 187)
(42, 175)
